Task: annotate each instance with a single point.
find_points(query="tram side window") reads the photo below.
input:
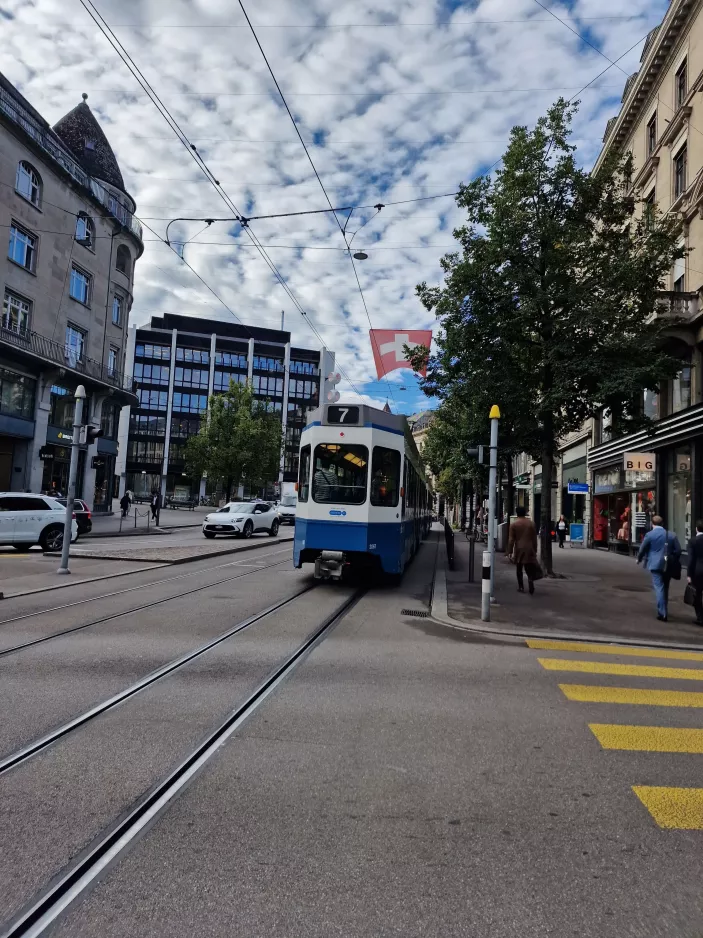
(340, 473)
(304, 475)
(385, 477)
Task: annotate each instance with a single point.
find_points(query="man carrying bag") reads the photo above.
(661, 552)
(694, 590)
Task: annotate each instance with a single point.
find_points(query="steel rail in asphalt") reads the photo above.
(53, 902)
(43, 742)
(127, 612)
(128, 589)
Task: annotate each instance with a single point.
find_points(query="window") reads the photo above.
(303, 368)
(151, 374)
(153, 351)
(61, 407)
(109, 420)
(75, 344)
(117, 302)
(232, 359)
(199, 356)
(223, 378)
(23, 247)
(189, 403)
(651, 404)
(652, 135)
(146, 425)
(79, 288)
(681, 390)
(141, 451)
(153, 400)
(680, 165)
(17, 394)
(339, 473)
(678, 278)
(191, 378)
(680, 83)
(650, 209)
(15, 313)
(123, 261)
(385, 477)
(304, 475)
(85, 232)
(28, 183)
(112, 358)
(183, 427)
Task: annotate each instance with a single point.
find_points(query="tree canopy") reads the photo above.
(547, 305)
(239, 441)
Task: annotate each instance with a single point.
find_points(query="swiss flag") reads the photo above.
(387, 345)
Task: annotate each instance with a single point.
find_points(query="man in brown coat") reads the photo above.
(522, 547)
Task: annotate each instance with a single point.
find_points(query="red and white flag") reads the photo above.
(388, 348)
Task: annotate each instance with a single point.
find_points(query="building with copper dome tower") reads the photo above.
(67, 278)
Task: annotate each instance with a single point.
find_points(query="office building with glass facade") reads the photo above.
(178, 362)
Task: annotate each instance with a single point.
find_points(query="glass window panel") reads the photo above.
(340, 473)
(385, 477)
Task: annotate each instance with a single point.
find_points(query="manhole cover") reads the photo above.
(418, 613)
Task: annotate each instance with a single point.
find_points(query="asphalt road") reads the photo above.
(405, 779)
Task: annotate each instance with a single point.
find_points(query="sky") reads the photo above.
(397, 101)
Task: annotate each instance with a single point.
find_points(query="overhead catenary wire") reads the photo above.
(317, 175)
(192, 150)
(317, 26)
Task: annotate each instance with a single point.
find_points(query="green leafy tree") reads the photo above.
(546, 308)
(239, 442)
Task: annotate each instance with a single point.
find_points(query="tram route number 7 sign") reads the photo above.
(640, 462)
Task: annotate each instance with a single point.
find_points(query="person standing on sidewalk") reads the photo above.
(561, 530)
(522, 547)
(125, 504)
(155, 503)
(661, 553)
(695, 570)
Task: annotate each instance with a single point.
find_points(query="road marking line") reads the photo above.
(676, 808)
(648, 738)
(632, 670)
(597, 649)
(593, 693)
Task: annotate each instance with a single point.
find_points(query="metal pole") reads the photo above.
(492, 483)
(73, 472)
(486, 587)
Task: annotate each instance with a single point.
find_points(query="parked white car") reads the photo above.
(242, 519)
(27, 519)
(286, 509)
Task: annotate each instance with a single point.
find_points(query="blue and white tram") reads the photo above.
(363, 499)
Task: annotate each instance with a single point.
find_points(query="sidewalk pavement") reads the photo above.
(603, 594)
(112, 525)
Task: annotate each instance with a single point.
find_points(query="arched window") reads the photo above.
(124, 260)
(28, 183)
(85, 231)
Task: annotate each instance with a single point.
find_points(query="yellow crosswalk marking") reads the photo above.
(680, 808)
(631, 670)
(648, 738)
(592, 693)
(598, 649)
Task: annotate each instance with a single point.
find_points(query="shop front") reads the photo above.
(624, 502)
(574, 474)
(56, 456)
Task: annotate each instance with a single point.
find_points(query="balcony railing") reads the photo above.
(59, 354)
(683, 307)
(47, 141)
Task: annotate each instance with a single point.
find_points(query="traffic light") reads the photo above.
(476, 452)
(89, 434)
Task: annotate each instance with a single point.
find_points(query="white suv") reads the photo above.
(27, 519)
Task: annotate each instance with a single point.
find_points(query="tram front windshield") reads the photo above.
(340, 473)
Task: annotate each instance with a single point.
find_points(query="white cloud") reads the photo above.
(361, 93)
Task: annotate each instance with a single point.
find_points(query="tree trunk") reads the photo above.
(462, 490)
(511, 480)
(229, 487)
(546, 505)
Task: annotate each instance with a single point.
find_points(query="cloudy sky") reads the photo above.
(397, 100)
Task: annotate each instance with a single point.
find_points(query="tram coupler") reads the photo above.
(329, 564)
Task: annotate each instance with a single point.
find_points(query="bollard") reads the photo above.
(472, 559)
(486, 587)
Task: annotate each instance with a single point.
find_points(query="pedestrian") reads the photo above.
(155, 503)
(522, 547)
(660, 552)
(695, 570)
(561, 529)
(130, 495)
(125, 504)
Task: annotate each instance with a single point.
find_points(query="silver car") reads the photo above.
(243, 519)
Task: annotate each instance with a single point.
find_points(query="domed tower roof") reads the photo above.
(82, 134)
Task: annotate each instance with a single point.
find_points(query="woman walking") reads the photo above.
(561, 530)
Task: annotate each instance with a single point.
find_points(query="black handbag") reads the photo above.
(689, 596)
(672, 565)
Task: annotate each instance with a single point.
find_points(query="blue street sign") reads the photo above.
(577, 488)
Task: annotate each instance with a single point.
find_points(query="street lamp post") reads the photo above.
(488, 588)
(80, 396)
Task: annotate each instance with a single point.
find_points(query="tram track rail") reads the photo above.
(32, 643)
(40, 914)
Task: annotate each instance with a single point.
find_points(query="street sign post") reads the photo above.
(80, 396)
(488, 596)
